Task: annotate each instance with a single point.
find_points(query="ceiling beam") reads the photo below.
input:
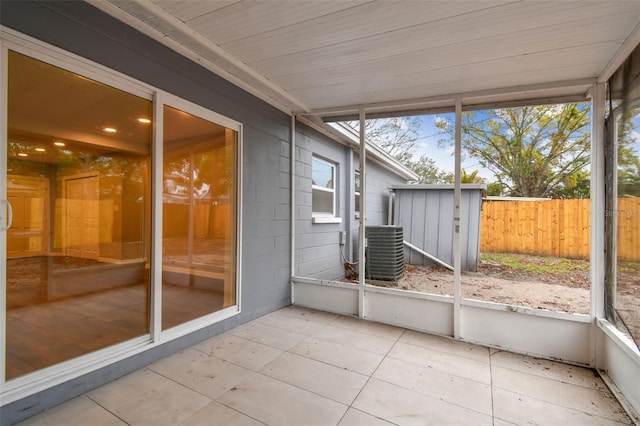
(621, 54)
(228, 67)
(483, 99)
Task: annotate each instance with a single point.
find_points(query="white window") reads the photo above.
(323, 176)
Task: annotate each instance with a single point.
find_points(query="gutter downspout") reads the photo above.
(390, 207)
(457, 195)
(363, 214)
(293, 204)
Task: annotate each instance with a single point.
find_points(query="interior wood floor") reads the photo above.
(59, 309)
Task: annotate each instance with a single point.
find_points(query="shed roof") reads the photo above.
(439, 186)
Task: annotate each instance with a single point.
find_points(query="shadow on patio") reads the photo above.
(298, 366)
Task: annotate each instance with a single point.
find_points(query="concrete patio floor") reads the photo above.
(298, 366)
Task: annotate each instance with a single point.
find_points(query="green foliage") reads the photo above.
(535, 264)
(628, 160)
(495, 189)
(427, 170)
(472, 177)
(533, 151)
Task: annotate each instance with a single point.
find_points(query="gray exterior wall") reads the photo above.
(379, 182)
(82, 29)
(318, 244)
(425, 213)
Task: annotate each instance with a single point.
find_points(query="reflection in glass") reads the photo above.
(77, 270)
(626, 218)
(322, 178)
(199, 236)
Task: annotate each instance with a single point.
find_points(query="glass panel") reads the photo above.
(322, 174)
(534, 235)
(627, 216)
(199, 217)
(322, 201)
(77, 268)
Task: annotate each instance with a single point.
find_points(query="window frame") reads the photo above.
(324, 217)
(45, 378)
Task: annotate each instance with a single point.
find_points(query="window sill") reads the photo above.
(327, 219)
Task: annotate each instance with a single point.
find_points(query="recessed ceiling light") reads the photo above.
(22, 154)
(144, 120)
(109, 130)
(58, 143)
(40, 149)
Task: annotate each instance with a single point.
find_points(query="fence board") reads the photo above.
(559, 228)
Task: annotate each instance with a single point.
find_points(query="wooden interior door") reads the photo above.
(82, 217)
(29, 198)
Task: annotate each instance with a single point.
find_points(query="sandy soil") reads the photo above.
(480, 286)
(560, 292)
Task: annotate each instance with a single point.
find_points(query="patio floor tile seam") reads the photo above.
(456, 354)
(323, 362)
(602, 388)
(220, 399)
(178, 382)
(337, 323)
(556, 404)
(235, 364)
(434, 397)
(86, 395)
(371, 377)
(354, 347)
(290, 330)
(300, 388)
(438, 369)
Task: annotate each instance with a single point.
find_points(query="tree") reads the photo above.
(397, 136)
(472, 177)
(427, 170)
(536, 151)
(628, 160)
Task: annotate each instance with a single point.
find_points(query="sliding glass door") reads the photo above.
(199, 217)
(87, 265)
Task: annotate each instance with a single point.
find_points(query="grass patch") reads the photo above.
(628, 266)
(535, 264)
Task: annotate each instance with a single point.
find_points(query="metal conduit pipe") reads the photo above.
(293, 203)
(363, 215)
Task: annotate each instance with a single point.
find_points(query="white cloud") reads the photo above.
(437, 119)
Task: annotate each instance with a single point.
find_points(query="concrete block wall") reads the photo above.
(379, 179)
(317, 244)
(318, 251)
(81, 29)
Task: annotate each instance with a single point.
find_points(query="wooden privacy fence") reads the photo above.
(559, 228)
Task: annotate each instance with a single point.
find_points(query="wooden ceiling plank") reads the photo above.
(527, 41)
(370, 34)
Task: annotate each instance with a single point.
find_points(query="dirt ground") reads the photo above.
(561, 292)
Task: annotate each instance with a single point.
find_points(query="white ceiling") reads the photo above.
(332, 57)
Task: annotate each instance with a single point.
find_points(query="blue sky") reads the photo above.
(427, 143)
